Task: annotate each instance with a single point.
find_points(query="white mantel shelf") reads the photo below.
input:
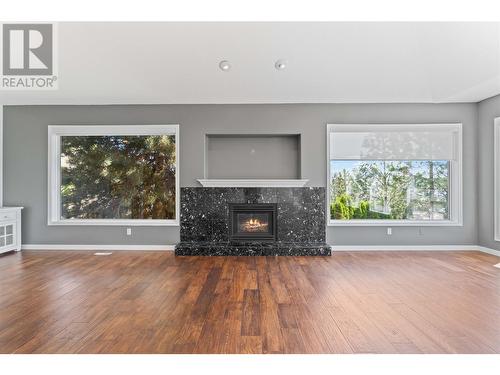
(251, 183)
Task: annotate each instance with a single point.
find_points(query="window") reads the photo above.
(394, 174)
(113, 175)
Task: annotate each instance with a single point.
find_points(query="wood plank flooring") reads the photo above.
(154, 302)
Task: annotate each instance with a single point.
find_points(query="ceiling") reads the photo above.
(345, 62)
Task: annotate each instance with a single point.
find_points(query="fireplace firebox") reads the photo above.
(252, 222)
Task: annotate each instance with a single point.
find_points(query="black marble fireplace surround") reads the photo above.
(300, 221)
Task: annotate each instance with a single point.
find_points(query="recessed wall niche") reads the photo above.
(251, 156)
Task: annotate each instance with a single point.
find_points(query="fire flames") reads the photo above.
(254, 225)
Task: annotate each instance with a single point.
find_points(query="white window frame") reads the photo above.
(455, 178)
(496, 179)
(55, 132)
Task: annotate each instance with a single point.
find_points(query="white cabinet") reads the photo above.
(10, 229)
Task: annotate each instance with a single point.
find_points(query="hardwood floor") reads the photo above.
(154, 302)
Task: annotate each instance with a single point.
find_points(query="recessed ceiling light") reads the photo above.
(280, 64)
(224, 65)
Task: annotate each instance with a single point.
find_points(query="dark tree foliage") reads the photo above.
(118, 177)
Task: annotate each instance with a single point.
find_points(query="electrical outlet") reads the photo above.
(389, 231)
(129, 231)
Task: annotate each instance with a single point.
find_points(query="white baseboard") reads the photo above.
(333, 247)
(418, 248)
(489, 251)
(408, 248)
(99, 247)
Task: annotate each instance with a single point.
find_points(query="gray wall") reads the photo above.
(25, 160)
(259, 157)
(488, 110)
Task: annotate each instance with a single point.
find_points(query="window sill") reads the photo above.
(395, 223)
(117, 222)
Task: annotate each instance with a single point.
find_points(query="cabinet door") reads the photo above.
(7, 236)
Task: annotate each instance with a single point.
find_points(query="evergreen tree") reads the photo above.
(122, 177)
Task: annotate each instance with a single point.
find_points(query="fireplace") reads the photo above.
(226, 222)
(252, 222)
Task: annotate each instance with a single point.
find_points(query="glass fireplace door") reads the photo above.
(253, 222)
